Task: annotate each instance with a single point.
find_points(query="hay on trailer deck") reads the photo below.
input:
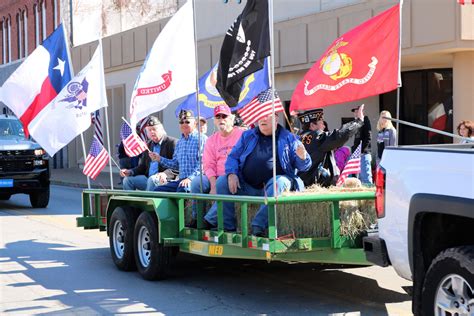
(314, 219)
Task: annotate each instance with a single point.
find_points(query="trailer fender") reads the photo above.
(166, 211)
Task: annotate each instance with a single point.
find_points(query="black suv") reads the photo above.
(24, 165)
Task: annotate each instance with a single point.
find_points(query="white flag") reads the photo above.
(169, 71)
(69, 113)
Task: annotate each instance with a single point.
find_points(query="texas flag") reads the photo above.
(39, 79)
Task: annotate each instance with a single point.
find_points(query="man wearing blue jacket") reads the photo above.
(249, 171)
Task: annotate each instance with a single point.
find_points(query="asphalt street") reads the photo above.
(47, 265)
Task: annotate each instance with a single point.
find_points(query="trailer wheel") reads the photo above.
(121, 227)
(151, 257)
(448, 288)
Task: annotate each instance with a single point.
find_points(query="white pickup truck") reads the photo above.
(425, 206)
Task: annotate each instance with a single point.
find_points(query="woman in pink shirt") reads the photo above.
(217, 147)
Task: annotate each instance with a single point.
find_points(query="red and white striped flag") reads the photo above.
(96, 160)
(132, 143)
(352, 166)
(466, 1)
(142, 125)
(260, 107)
(96, 120)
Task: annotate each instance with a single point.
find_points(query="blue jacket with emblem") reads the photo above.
(287, 144)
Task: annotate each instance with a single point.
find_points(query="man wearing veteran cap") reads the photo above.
(320, 145)
(186, 155)
(149, 174)
(217, 147)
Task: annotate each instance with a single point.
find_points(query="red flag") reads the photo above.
(352, 166)
(132, 143)
(361, 63)
(466, 1)
(96, 160)
(260, 107)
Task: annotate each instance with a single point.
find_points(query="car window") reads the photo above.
(10, 127)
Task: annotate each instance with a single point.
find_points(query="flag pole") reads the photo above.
(106, 116)
(399, 71)
(197, 97)
(274, 123)
(72, 75)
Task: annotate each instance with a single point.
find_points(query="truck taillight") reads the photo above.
(380, 192)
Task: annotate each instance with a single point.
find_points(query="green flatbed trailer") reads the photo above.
(145, 229)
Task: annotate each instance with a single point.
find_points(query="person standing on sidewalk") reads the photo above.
(364, 136)
(149, 174)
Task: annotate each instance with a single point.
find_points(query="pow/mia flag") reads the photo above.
(243, 52)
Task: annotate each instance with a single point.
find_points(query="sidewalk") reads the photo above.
(74, 177)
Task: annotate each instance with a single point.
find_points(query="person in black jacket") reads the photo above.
(150, 174)
(320, 145)
(364, 137)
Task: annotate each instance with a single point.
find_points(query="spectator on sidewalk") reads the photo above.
(186, 156)
(387, 134)
(364, 136)
(149, 174)
(217, 147)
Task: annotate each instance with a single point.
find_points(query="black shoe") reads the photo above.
(258, 231)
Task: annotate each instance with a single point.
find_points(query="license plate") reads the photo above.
(6, 183)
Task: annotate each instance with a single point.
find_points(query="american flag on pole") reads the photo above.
(96, 120)
(142, 125)
(132, 143)
(352, 166)
(260, 107)
(96, 160)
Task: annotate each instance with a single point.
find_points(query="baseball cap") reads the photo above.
(153, 121)
(186, 114)
(354, 109)
(222, 109)
(203, 119)
(311, 116)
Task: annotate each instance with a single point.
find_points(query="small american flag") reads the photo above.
(260, 107)
(96, 160)
(466, 1)
(142, 125)
(97, 126)
(132, 144)
(352, 166)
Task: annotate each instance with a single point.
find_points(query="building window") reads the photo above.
(426, 98)
(4, 42)
(37, 26)
(9, 39)
(25, 32)
(43, 19)
(19, 35)
(55, 13)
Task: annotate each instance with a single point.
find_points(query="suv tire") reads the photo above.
(449, 284)
(40, 199)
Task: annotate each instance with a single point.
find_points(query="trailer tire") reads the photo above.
(121, 227)
(438, 294)
(151, 257)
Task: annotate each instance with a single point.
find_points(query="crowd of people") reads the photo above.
(239, 161)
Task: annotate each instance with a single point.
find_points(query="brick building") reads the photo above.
(24, 24)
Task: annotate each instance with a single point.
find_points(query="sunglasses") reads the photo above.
(184, 122)
(221, 116)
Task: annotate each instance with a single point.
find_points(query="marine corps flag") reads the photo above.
(361, 63)
(245, 46)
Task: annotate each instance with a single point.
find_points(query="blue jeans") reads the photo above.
(172, 186)
(261, 218)
(140, 182)
(196, 188)
(366, 169)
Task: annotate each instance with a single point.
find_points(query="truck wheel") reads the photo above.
(5, 197)
(121, 227)
(448, 288)
(40, 199)
(151, 257)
